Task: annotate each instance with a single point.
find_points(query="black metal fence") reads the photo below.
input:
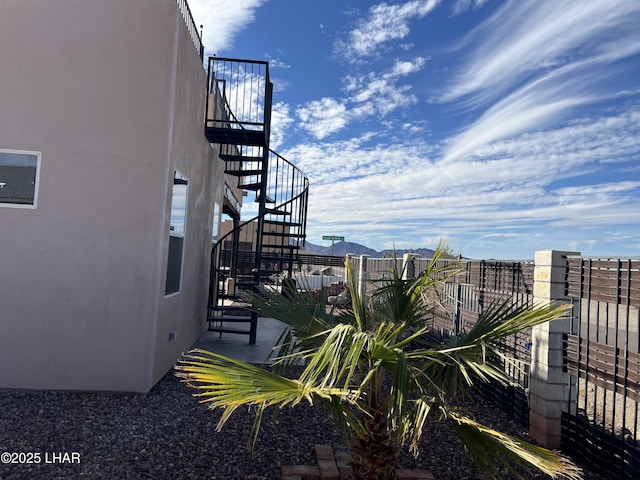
(600, 426)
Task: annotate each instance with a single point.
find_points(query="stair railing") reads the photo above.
(238, 117)
(284, 234)
(244, 87)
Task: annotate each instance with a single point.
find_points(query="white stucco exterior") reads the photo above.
(111, 94)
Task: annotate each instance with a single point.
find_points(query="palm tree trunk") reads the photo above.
(374, 452)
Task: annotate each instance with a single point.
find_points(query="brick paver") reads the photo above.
(336, 467)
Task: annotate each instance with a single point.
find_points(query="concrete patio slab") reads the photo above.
(237, 346)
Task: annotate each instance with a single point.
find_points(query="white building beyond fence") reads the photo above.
(305, 281)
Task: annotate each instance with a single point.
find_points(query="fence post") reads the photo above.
(408, 266)
(362, 275)
(347, 258)
(549, 386)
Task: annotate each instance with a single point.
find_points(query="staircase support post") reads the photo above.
(253, 328)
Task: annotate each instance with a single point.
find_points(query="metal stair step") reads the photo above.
(220, 311)
(283, 234)
(283, 223)
(239, 158)
(225, 296)
(229, 330)
(275, 211)
(280, 246)
(268, 199)
(228, 307)
(243, 173)
(250, 186)
(230, 318)
(235, 136)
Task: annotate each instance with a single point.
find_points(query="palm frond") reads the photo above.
(414, 425)
(335, 360)
(224, 382)
(359, 308)
(305, 320)
(228, 384)
(400, 390)
(490, 448)
(300, 312)
(410, 301)
(476, 355)
(502, 319)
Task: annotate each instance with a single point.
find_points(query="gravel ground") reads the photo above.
(167, 434)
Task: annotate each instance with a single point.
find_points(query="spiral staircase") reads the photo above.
(238, 119)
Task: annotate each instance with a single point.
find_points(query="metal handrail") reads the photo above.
(185, 11)
(243, 95)
(294, 202)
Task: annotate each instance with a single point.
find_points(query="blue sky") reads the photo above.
(504, 127)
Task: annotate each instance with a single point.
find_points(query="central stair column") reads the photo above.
(262, 198)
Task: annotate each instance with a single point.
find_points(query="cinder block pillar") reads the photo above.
(549, 386)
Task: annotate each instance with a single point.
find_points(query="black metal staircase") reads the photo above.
(266, 246)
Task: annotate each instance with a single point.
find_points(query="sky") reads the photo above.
(503, 127)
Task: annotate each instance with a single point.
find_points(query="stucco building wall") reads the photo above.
(112, 95)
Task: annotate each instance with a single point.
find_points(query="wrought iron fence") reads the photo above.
(601, 425)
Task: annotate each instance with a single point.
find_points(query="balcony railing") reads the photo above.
(185, 11)
(239, 102)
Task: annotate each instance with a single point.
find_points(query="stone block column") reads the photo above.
(549, 386)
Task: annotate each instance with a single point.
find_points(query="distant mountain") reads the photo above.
(340, 249)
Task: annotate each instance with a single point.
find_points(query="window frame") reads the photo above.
(36, 186)
(217, 216)
(176, 234)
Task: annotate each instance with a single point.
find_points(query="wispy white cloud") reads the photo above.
(277, 63)
(375, 93)
(533, 106)
(323, 117)
(543, 62)
(383, 24)
(509, 188)
(526, 37)
(223, 20)
(281, 119)
(461, 6)
(366, 95)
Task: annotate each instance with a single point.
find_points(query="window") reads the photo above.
(176, 233)
(216, 222)
(19, 178)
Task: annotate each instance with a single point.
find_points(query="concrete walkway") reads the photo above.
(237, 346)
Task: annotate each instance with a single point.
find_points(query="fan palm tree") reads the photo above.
(378, 377)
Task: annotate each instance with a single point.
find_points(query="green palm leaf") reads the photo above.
(476, 355)
(490, 449)
(228, 384)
